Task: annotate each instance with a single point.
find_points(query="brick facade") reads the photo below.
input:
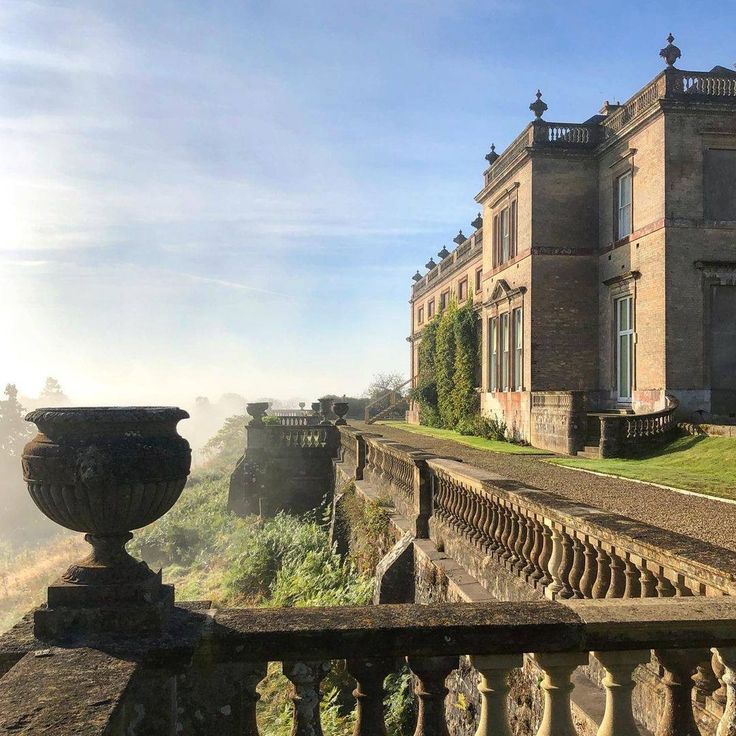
(620, 207)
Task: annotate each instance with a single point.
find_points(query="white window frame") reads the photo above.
(518, 354)
(493, 354)
(624, 393)
(505, 234)
(624, 205)
(505, 340)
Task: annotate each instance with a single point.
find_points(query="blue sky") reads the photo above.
(199, 197)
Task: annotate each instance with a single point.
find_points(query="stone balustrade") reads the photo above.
(557, 547)
(202, 677)
(623, 434)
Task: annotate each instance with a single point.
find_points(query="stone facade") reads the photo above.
(614, 241)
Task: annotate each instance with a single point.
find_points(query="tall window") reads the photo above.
(462, 290)
(493, 353)
(444, 300)
(505, 349)
(504, 235)
(623, 205)
(518, 349)
(478, 280)
(719, 184)
(624, 347)
(420, 315)
(430, 309)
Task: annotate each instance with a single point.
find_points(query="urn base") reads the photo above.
(75, 611)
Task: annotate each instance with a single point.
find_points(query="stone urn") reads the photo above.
(257, 411)
(315, 407)
(325, 409)
(105, 472)
(341, 409)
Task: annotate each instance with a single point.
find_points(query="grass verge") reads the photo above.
(700, 464)
(480, 443)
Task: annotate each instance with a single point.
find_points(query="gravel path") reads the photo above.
(694, 516)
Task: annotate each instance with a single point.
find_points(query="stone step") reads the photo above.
(591, 451)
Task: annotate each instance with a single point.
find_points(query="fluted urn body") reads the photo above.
(106, 471)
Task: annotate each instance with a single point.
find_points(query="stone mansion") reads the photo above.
(603, 263)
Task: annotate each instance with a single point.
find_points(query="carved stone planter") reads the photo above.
(341, 409)
(105, 472)
(257, 411)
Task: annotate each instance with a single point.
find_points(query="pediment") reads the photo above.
(501, 290)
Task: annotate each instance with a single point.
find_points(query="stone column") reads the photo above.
(726, 657)
(618, 718)
(494, 690)
(677, 714)
(430, 689)
(557, 669)
(369, 693)
(306, 678)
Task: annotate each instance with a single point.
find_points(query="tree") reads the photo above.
(445, 366)
(383, 383)
(52, 394)
(14, 430)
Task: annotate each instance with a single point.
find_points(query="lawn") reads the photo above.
(479, 443)
(700, 464)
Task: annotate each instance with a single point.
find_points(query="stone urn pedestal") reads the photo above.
(105, 472)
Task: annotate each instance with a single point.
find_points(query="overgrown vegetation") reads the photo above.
(448, 359)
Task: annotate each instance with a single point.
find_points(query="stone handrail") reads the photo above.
(300, 436)
(509, 155)
(401, 470)
(565, 134)
(626, 433)
(464, 252)
(298, 420)
(708, 84)
(636, 106)
(131, 690)
(560, 548)
(570, 550)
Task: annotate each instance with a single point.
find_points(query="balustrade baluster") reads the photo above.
(544, 558)
(369, 693)
(513, 536)
(430, 689)
(617, 584)
(475, 527)
(568, 554)
(648, 582)
(665, 589)
(495, 523)
(485, 523)
(526, 552)
(603, 573)
(521, 535)
(556, 586)
(587, 582)
(502, 529)
(557, 669)
(578, 567)
(306, 678)
(465, 512)
(632, 589)
(494, 690)
(250, 675)
(618, 719)
(538, 573)
(507, 531)
(677, 714)
(681, 590)
(726, 658)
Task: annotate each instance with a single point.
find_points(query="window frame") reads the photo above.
(505, 350)
(505, 223)
(493, 354)
(627, 175)
(461, 283)
(517, 353)
(430, 308)
(478, 280)
(420, 315)
(629, 333)
(444, 300)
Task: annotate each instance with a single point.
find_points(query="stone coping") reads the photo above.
(707, 563)
(473, 628)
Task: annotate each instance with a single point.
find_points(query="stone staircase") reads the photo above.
(591, 449)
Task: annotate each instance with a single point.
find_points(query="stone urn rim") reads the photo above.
(105, 414)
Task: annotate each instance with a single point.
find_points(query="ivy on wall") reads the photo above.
(448, 356)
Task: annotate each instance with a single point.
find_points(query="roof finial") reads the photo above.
(430, 264)
(443, 253)
(416, 277)
(459, 238)
(538, 106)
(670, 53)
(492, 156)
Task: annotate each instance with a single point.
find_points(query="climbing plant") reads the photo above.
(448, 355)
